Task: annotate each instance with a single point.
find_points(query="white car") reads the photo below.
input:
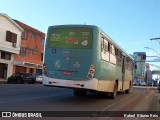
(39, 78)
(143, 83)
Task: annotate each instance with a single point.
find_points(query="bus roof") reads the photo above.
(72, 25)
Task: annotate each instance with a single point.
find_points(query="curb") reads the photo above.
(3, 82)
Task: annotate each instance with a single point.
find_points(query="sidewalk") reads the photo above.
(2, 81)
(151, 102)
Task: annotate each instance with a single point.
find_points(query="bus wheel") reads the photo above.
(104, 94)
(128, 90)
(114, 93)
(77, 92)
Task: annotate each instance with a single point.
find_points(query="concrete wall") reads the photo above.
(7, 25)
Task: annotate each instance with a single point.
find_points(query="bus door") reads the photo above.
(123, 71)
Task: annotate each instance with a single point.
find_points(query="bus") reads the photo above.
(85, 59)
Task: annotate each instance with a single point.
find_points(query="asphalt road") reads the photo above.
(33, 97)
(36, 97)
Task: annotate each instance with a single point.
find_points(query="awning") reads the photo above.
(27, 64)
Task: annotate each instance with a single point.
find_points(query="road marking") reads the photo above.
(118, 102)
(18, 90)
(25, 99)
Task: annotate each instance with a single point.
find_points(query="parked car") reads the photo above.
(152, 83)
(21, 78)
(134, 83)
(143, 83)
(140, 83)
(37, 77)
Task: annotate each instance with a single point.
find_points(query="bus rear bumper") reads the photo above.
(80, 84)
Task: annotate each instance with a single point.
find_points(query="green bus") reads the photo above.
(84, 58)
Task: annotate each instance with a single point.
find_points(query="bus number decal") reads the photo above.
(72, 40)
(56, 37)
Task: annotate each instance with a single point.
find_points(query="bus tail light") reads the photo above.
(45, 69)
(91, 72)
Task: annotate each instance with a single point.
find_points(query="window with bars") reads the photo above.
(5, 55)
(32, 52)
(23, 52)
(41, 56)
(33, 36)
(11, 37)
(43, 41)
(25, 34)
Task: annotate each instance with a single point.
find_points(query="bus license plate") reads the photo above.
(67, 73)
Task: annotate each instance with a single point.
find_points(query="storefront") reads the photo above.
(22, 66)
(20, 69)
(6, 64)
(3, 70)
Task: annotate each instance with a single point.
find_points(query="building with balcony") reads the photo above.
(10, 40)
(30, 58)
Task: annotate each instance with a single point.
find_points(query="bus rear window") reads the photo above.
(75, 38)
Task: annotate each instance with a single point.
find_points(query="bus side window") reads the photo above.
(127, 63)
(116, 51)
(113, 50)
(102, 44)
(110, 47)
(105, 45)
(120, 54)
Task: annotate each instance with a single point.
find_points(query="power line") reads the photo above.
(147, 61)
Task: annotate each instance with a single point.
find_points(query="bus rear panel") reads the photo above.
(68, 57)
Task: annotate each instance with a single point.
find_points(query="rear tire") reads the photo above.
(104, 95)
(77, 92)
(128, 90)
(114, 93)
(33, 81)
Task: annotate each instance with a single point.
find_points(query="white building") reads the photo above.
(10, 41)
